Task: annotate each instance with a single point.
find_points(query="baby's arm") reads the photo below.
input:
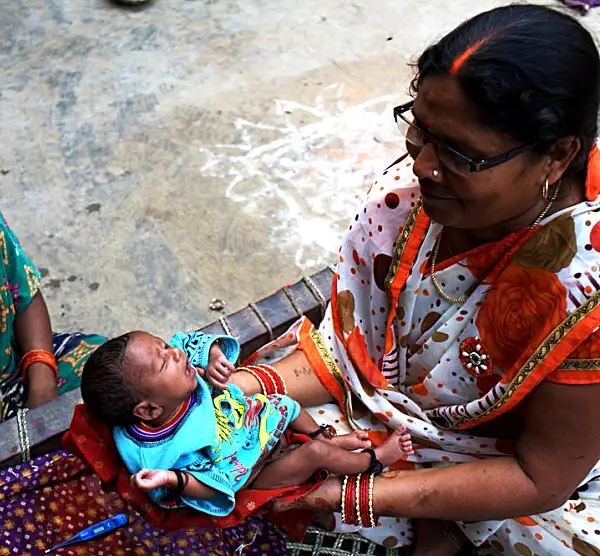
(149, 479)
(219, 368)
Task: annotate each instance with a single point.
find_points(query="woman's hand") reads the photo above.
(219, 368)
(42, 385)
(149, 479)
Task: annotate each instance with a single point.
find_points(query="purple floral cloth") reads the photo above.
(53, 497)
(584, 5)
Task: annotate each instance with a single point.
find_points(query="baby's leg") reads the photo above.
(298, 466)
(305, 424)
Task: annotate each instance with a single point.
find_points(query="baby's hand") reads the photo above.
(148, 479)
(219, 368)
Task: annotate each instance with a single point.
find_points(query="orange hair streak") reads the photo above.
(462, 58)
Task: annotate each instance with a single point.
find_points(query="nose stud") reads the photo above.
(435, 173)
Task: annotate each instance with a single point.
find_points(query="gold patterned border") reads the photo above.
(400, 246)
(333, 369)
(544, 349)
(579, 365)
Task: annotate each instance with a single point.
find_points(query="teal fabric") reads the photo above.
(197, 346)
(19, 283)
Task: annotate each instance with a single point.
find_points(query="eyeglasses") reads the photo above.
(449, 157)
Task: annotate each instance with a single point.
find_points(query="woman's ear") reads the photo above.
(561, 155)
(147, 411)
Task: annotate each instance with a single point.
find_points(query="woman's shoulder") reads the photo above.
(396, 188)
(567, 246)
(384, 210)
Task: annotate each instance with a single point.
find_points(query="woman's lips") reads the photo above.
(428, 190)
(427, 193)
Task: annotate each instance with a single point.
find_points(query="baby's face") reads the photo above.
(164, 373)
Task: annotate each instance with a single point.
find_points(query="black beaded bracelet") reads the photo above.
(375, 467)
(174, 494)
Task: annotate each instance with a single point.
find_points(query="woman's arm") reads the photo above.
(302, 383)
(559, 446)
(33, 331)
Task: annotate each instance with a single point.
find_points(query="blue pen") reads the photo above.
(94, 531)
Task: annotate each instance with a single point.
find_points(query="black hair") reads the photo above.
(110, 394)
(533, 72)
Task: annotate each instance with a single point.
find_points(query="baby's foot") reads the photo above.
(354, 441)
(395, 447)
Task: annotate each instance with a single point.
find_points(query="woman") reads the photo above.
(465, 304)
(35, 365)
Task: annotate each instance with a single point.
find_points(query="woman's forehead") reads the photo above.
(449, 114)
(442, 106)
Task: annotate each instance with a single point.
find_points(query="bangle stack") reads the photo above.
(269, 378)
(38, 356)
(357, 500)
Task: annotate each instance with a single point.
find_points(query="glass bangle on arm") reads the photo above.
(451, 158)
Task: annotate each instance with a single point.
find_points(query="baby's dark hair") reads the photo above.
(110, 394)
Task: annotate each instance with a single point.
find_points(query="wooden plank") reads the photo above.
(47, 423)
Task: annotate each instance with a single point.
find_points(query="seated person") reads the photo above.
(188, 442)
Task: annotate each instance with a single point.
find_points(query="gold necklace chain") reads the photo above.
(436, 249)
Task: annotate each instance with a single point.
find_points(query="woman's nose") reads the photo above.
(426, 162)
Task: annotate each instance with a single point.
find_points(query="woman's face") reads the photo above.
(484, 199)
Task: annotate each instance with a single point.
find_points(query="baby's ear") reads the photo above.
(147, 411)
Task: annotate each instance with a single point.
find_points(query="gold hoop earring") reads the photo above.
(545, 188)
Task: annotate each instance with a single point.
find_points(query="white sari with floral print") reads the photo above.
(393, 351)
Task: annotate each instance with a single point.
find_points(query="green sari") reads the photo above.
(19, 284)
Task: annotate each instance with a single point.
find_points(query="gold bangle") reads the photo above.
(344, 484)
(371, 513)
(357, 495)
(255, 375)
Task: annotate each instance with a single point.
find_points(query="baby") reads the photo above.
(189, 442)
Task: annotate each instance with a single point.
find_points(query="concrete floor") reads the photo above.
(155, 158)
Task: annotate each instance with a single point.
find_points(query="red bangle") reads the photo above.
(267, 379)
(364, 501)
(38, 356)
(280, 385)
(350, 500)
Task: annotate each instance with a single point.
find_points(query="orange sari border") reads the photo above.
(405, 253)
(545, 359)
(321, 361)
(356, 347)
(592, 181)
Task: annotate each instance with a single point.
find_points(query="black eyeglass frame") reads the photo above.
(475, 165)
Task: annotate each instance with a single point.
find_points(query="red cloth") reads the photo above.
(592, 182)
(92, 441)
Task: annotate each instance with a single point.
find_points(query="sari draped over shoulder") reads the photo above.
(393, 351)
